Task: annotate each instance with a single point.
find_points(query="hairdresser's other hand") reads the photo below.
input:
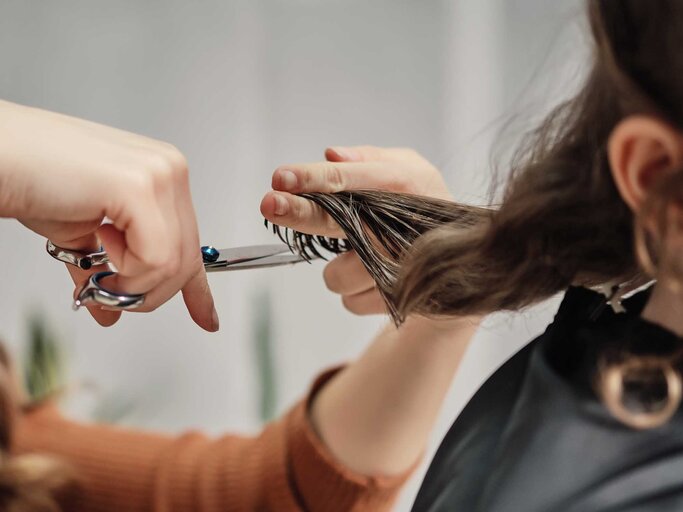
(348, 168)
(61, 176)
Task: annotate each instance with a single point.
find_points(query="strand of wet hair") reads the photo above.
(381, 227)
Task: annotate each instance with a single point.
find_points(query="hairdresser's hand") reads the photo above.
(393, 169)
(62, 176)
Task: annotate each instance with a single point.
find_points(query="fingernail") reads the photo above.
(281, 205)
(215, 323)
(287, 180)
(346, 153)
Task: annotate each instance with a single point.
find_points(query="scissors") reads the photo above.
(215, 260)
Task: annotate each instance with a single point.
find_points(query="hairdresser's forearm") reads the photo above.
(376, 415)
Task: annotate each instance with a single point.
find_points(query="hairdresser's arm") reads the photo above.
(61, 177)
(373, 417)
(376, 415)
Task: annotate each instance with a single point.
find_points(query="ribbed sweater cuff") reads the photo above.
(323, 483)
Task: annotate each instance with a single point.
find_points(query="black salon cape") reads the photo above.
(536, 438)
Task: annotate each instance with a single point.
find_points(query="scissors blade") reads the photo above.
(235, 255)
(274, 260)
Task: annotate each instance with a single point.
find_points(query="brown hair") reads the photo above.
(562, 220)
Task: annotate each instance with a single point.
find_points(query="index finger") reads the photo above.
(330, 177)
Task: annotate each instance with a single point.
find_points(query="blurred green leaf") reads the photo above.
(43, 361)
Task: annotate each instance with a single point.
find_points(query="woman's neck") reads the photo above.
(665, 308)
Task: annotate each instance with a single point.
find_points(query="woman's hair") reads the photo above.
(382, 227)
(29, 482)
(561, 220)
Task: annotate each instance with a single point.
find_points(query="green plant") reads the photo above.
(43, 363)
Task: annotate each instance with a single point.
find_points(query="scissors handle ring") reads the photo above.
(94, 293)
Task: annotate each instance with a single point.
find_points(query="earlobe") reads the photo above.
(641, 150)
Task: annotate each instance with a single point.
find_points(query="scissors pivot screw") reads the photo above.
(209, 254)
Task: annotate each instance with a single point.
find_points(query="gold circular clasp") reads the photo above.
(614, 377)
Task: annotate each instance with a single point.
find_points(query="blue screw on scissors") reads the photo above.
(215, 260)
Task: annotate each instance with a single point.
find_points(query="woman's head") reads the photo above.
(641, 43)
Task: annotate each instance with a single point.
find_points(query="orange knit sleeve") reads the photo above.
(285, 468)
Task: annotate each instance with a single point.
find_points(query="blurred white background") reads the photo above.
(242, 86)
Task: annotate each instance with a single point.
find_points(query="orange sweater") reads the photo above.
(285, 468)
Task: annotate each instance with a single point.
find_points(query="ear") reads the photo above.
(641, 150)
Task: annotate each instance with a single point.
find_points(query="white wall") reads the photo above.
(241, 87)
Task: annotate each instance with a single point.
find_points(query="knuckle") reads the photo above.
(401, 182)
(329, 224)
(178, 162)
(168, 165)
(172, 267)
(295, 210)
(154, 264)
(174, 154)
(334, 177)
(159, 164)
(143, 184)
(306, 178)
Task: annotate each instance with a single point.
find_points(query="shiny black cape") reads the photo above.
(536, 438)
